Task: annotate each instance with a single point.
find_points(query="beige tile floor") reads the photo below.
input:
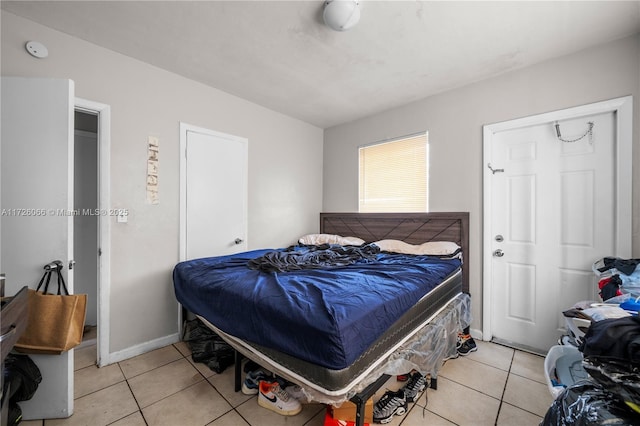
(494, 386)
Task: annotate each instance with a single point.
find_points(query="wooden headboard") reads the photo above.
(412, 228)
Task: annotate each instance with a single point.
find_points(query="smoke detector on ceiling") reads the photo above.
(341, 15)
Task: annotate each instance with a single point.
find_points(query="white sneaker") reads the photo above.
(252, 381)
(295, 391)
(274, 398)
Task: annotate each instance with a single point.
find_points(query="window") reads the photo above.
(393, 175)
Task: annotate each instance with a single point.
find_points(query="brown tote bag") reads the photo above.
(55, 321)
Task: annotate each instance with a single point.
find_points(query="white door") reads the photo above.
(37, 194)
(214, 192)
(553, 213)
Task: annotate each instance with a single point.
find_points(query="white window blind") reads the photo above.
(393, 175)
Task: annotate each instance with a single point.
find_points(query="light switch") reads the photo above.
(121, 217)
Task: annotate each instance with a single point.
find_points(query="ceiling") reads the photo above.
(280, 55)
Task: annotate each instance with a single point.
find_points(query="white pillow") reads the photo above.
(318, 239)
(434, 248)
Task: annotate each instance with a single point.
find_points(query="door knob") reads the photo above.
(498, 253)
(238, 240)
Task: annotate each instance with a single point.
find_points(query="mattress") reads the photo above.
(328, 317)
(420, 339)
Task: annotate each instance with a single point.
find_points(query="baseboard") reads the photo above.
(141, 349)
(519, 346)
(476, 334)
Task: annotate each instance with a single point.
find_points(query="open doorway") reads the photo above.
(92, 234)
(85, 223)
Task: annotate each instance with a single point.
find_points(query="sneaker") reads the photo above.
(416, 384)
(252, 380)
(274, 398)
(467, 345)
(296, 392)
(391, 403)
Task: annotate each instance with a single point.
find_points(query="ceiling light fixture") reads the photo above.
(341, 15)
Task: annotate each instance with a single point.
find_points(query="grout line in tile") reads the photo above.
(224, 414)
(504, 389)
(414, 407)
(240, 414)
(124, 417)
(312, 417)
(486, 363)
(529, 378)
(222, 395)
(520, 408)
(85, 367)
(154, 368)
(134, 395)
(200, 373)
(476, 390)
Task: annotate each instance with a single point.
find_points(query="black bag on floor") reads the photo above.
(587, 403)
(622, 380)
(207, 347)
(14, 414)
(23, 377)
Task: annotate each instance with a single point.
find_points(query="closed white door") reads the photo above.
(37, 198)
(214, 193)
(553, 214)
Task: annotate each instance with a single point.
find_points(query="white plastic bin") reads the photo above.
(569, 355)
(575, 327)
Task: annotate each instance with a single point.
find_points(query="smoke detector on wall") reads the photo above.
(37, 49)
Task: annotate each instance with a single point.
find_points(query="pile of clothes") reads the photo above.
(611, 393)
(207, 347)
(617, 277)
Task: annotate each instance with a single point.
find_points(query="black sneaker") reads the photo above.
(414, 387)
(467, 345)
(391, 403)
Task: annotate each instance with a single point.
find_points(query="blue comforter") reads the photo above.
(328, 316)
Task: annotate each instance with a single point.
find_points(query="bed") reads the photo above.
(337, 331)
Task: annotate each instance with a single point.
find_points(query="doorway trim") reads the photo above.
(623, 110)
(103, 112)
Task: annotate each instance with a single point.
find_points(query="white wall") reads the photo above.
(454, 121)
(285, 166)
